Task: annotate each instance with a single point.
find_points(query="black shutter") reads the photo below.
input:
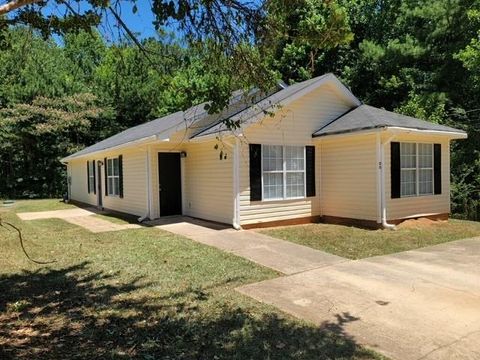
(395, 169)
(255, 172)
(120, 177)
(310, 169)
(105, 166)
(94, 179)
(88, 176)
(437, 168)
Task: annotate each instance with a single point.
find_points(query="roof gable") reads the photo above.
(256, 112)
(366, 117)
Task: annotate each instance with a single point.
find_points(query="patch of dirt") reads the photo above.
(420, 223)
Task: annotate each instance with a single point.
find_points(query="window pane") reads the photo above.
(425, 155)
(295, 185)
(272, 158)
(295, 157)
(115, 166)
(408, 182)
(116, 182)
(425, 182)
(408, 155)
(110, 186)
(273, 185)
(109, 167)
(425, 149)
(407, 148)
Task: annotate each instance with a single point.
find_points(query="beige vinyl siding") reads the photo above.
(134, 200)
(78, 182)
(207, 189)
(349, 176)
(419, 205)
(291, 125)
(154, 150)
(208, 182)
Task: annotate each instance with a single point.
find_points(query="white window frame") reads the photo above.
(111, 189)
(284, 171)
(417, 171)
(91, 176)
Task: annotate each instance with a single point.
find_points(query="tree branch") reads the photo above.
(15, 4)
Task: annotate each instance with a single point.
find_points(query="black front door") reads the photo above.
(169, 184)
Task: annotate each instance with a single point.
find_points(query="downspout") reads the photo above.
(236, 183)
(148, 186)
(69, 182)
(381, 189)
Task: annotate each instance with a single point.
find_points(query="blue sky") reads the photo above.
(141, 23)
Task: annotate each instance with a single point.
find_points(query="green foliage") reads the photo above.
(300, 31)
(34, 137)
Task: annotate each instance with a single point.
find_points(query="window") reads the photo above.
(283, 170)
(113, 177)
(91, 176)
(416, 169)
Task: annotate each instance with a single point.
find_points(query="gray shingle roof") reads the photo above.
(197, 122)
(191, 120)
(165, 125)
(366, 117)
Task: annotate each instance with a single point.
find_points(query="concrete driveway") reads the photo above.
(422, 304)
(282, 256)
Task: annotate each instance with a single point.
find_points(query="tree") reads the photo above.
(34, 137)
(231, 25)
(301, 31)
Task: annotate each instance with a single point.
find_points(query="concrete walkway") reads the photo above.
(422, 304)
(59, 214)
(283, 256)
(79, 217)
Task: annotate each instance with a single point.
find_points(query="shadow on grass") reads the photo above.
(71, 313)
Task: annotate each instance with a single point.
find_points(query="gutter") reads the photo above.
(236, 183)
(399, 129)
(142, 141)
(381, 181)
(383, 201)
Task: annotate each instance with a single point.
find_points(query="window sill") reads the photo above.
(416, 196)
(282, 199)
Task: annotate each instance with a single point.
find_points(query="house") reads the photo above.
(304, 152)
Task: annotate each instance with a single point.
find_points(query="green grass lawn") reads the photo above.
(115, 219)
(356, 243)
(37, 205)
(143, 294)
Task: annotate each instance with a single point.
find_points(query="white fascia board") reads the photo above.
(143, 141)
(224, 134)
(450, 134)
(395, 130)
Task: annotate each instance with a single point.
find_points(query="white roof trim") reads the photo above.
(451, 134)
(143, 141)
(394, 129)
